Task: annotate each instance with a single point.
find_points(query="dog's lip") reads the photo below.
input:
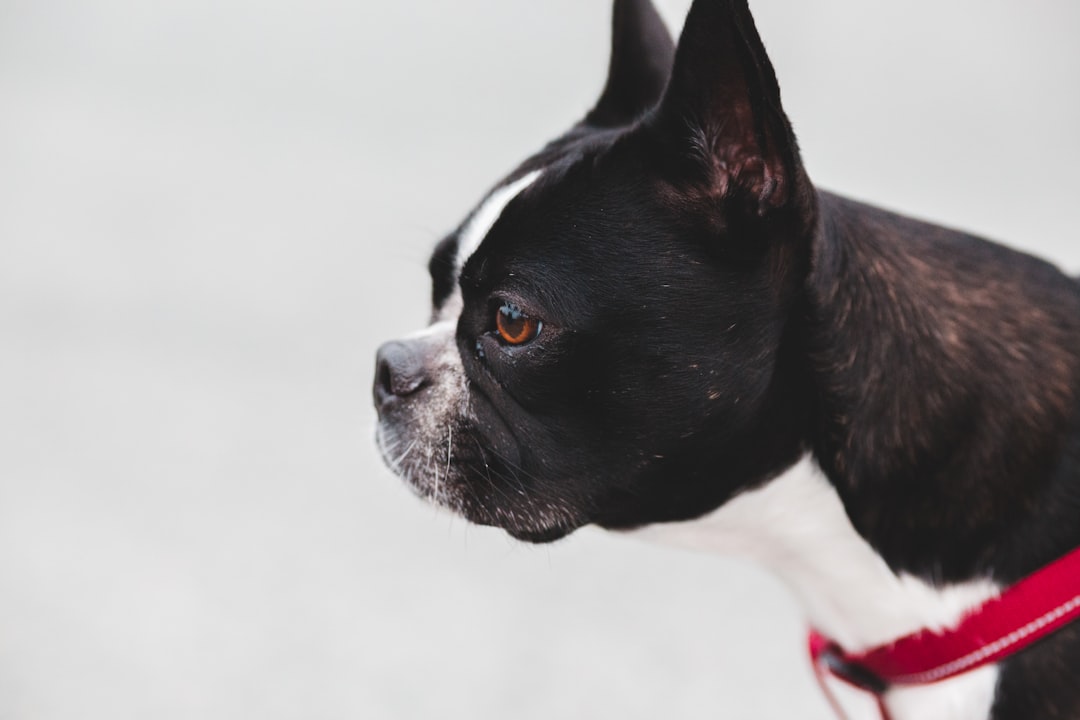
(481, 395)
(386, 403)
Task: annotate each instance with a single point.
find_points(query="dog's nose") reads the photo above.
(399, 371)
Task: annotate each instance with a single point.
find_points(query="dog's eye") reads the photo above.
(514, 326)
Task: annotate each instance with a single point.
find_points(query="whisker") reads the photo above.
(449, 448)
(396, 463)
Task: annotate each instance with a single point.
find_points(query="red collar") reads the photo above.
(1034, 607)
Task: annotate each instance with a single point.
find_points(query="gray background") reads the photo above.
(211, 212)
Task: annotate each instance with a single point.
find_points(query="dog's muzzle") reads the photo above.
(400, 370)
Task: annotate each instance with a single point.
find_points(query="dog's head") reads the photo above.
(611, 333)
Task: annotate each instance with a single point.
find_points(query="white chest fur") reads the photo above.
(796, 527)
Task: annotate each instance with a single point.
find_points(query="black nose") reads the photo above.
(399, 371)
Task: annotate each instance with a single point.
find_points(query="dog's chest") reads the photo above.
(796, 526)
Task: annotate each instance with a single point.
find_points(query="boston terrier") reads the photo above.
(657, 324)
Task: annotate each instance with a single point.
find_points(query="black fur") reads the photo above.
(709, 316)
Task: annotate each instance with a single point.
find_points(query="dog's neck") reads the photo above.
(943, 375)
(795, 526)
(945, 372)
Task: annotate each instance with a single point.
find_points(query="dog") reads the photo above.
(658, 325)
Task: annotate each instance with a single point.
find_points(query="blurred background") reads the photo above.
(211, 213)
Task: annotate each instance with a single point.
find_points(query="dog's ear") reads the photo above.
(721, 117)
(642, 52)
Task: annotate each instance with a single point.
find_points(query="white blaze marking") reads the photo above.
(488, 214)
(797, 527)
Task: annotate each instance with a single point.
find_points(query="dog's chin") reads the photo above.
(471, 498)
(517, 524)
(465, 487)
(539, 537)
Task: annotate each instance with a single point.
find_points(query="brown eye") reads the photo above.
(514, 326)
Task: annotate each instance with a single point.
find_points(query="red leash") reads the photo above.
(1024, 613)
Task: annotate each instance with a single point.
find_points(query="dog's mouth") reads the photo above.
(459, 475)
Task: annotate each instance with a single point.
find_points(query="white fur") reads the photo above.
(796, 526)
(476, 229)
(421, 453)
(487, 214)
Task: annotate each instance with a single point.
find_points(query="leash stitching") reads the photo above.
(975, 657)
